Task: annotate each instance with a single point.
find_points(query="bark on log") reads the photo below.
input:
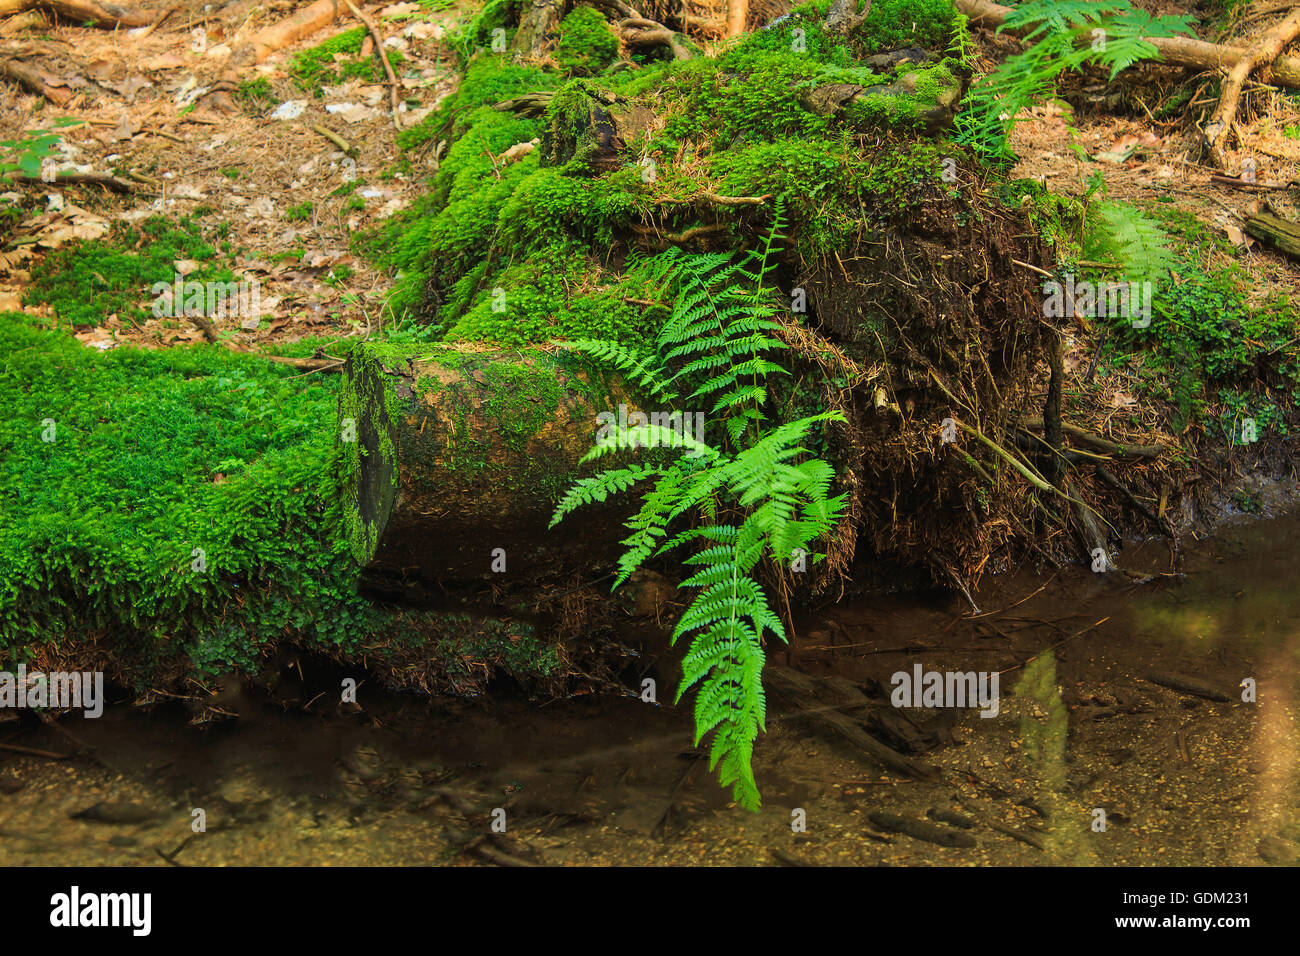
(1175, 51)
(537, 21)
(456, 454)
(843, 16)
(1279, 233)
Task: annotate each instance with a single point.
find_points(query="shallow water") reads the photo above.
(1081, 729)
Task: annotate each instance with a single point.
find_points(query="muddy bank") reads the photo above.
(1081, 727)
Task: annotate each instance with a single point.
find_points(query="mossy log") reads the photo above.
(1279, 233)
(455, 466)
(595, 127)
(926, 100)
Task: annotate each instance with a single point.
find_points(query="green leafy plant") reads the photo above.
(22, 155)
(758, 493)
(1125, 234)
(1064, 35)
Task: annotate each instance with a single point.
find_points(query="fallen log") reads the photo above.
(456, 461)
(1175, 51)
(1277, 232)
(920, 830)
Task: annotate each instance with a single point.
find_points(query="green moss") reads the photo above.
(586, 44)
(256, 95)
(762, 103)
(893, 24)
(799, 35)
(907, 101)
(805, 171)
(155, 455)
(536, 301)
(337, 60)
(86, 282)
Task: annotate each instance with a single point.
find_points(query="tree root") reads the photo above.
(1175, 51)
(1263, 53)
(304, 23)
(640, 32)
(1117, 449)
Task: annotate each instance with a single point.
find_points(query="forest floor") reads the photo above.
(292, 198)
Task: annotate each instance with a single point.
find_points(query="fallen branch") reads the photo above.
(713, 199)
(209, 330)
(686, 235)
(1236, 182)
(32, 752)
(107, 180)
(994, 824)
(379, 48)
(1187, 685)
(920, 829)
(94, 12)
(1277, 232)
(335, 138)
(1263, 53)
(800, 689)
(34, 81)
(1175, 51)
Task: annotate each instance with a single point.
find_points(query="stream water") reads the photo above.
(1083, 736)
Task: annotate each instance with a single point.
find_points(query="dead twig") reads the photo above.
(33, 752)
(379, 48)
(335, 138)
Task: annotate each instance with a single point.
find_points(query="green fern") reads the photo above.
(1065, 35)
(717, 347)
(1124, 234)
